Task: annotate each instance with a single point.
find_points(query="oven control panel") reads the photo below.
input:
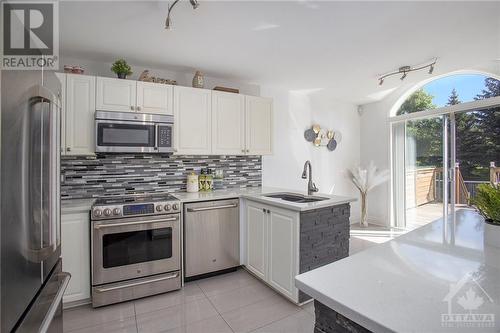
(138, 209)
(128, 210)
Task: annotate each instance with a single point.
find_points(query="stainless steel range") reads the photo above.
(136, 248)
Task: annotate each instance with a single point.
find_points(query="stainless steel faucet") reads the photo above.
(311, 187)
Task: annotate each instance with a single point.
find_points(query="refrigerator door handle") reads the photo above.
(45, 204)
(55, 179)
(55, 302)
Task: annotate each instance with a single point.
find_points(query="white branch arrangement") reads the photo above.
(365, 180)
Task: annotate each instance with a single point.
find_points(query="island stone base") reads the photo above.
(330, 321)
(324, 238)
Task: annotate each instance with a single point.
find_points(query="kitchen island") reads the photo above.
(438, 278)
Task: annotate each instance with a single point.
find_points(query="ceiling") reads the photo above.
(339, 47)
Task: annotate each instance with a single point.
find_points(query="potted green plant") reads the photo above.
(121, 68)
(487, 202)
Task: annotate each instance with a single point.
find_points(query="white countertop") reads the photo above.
(76, 205)
(257, 194)
(402, 285)
(253, 193)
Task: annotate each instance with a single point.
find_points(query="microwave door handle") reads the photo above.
(157, 139)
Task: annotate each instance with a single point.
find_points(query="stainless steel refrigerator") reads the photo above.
(32, 282)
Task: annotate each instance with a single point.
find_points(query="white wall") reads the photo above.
(294, 112)
(183, 78)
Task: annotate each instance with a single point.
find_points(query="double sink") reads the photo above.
(296, 198)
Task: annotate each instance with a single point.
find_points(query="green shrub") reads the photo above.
(121, 67)
(487, 202)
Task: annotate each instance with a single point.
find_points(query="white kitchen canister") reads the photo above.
(192, 183)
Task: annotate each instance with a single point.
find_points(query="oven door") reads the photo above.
(116, 136)
(129, 248)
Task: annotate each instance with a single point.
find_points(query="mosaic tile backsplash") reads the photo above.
(116, 174)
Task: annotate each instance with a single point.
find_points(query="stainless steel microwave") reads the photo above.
(131, 132)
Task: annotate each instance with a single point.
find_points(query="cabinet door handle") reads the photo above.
(68, 149)
(263, 210)
(268, 211)
(243, 150)
(132, 108)
(138, 108)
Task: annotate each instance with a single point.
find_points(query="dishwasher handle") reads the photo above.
(202, 209)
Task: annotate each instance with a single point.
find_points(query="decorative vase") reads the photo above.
(491, 234)
(198, 80)
(122, 75)
(364, 217)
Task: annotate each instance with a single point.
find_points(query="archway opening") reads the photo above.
(442, 159)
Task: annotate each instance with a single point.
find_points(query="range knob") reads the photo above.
(107, 212)
(97, 212)
(175, 206)
(168, 207)
(116, 211)
(159, 208)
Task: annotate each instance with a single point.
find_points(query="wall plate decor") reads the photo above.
(329, 138)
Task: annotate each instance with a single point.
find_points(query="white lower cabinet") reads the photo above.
(272, 252)
(256, 218)
(75, 252)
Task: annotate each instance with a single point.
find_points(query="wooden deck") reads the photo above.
(422, 215)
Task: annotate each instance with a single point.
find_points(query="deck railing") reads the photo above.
(464, 191)
(494, 173)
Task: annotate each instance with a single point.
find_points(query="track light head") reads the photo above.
(431, 69)
(167, 22)
(404, 76)
(380, 82)
(194, 3)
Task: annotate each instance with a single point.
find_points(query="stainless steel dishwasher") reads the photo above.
(211, 236)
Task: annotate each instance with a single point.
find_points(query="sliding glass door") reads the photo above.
(425, 191)
(439, 161)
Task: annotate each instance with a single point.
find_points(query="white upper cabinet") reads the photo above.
(193, 120)
(259, 125)
(155, 98)
(79, 115)
(228, 123)
(62, 79)
(116, 94)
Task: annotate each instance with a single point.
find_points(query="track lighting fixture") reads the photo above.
(407, 69)
(194, 3)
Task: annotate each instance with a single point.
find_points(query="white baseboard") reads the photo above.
(371, 220)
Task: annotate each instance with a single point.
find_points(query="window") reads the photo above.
(463, 144)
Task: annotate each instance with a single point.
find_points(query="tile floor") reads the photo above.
(365, 237)
(233, 302)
